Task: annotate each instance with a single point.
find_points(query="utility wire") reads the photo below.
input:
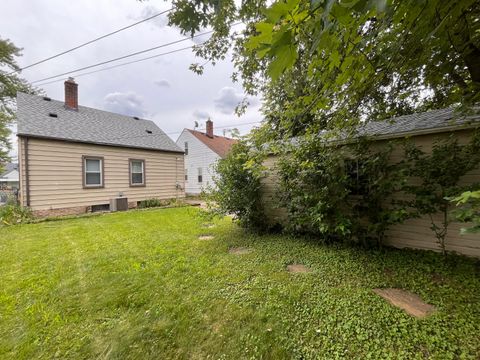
(124, 56)
(91, 41)
(129, 55)
(122, 64)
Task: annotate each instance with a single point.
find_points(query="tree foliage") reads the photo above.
(330, 63)
(341, 192)
(468, 210)
(438, 174)
(237, 188)
(10, 83)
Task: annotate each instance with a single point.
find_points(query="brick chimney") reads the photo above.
(210, 128)
(71, 94)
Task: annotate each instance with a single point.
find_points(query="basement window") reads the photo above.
(92, 172)
(53, 115)
(100, 208)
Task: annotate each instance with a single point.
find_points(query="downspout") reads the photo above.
(27, 175)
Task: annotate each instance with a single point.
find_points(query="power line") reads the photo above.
(123, 57)
(122, 64)
(129, 55)
(91, 41)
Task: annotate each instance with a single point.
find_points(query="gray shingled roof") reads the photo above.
(87, 125)
(430, 121)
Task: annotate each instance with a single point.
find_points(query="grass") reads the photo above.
(141, 285)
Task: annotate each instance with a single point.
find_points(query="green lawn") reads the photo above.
(141, 285)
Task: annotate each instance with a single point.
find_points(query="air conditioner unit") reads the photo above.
(119, 204)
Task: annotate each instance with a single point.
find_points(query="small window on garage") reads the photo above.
(92, 172)
(200, 175)
(137, 172)
(186, 148)
(186, 174)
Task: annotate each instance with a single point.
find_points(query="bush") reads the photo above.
(237, 187)
(340, 192)
(468, 210)
(12, 213)
(154, 202)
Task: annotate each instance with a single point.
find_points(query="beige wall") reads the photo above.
(56, 182)
(414, 233)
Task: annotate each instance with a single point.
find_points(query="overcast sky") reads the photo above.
(161, 89)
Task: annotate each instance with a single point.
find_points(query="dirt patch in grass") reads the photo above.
(409, 302)
(206, 237)
(240, 250)
(298, 268)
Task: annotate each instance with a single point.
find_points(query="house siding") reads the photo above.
(413, 233)
(56, 178)
(199, 155)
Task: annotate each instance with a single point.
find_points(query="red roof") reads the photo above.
(220, 144)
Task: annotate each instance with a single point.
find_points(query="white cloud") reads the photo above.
(201, 115)
(125, 103)
(227, 100)
(150, 10)
(163, 83)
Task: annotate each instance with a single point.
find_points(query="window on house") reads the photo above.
(186, 174)
(358, 183)
(186, 148)
(200, 175)
(93, 172)
(137, 172)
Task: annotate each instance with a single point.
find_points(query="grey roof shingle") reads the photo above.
(88, 125)
(433, 120)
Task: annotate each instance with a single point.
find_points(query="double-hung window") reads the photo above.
(137, 172)
(186, 148)
(186, 174)
(92, 172)
(200, 175)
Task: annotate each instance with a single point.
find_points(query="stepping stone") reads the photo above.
(298, 268)
(206, 237)
(240, 251)
(411, 303)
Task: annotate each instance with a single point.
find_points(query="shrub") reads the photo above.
(340, 192)
(237, 187)
(12, 213)
(468, 210)
(439, 173)
(154, 202)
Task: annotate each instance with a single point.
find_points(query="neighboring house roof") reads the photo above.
(7, 168)
(10, 176)
(87, 125)
(219, 144)
(420, 123)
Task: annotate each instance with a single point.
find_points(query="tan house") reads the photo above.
(74, 159)
(423, 129)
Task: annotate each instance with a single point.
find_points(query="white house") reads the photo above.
(202, 150)
(10, 178)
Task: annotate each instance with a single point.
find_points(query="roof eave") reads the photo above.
(98, 143)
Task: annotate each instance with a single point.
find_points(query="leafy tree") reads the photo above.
(237, 187)
(438, 174)
(468, 210)
(336, 61)
(10, 83)
(341, 192)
